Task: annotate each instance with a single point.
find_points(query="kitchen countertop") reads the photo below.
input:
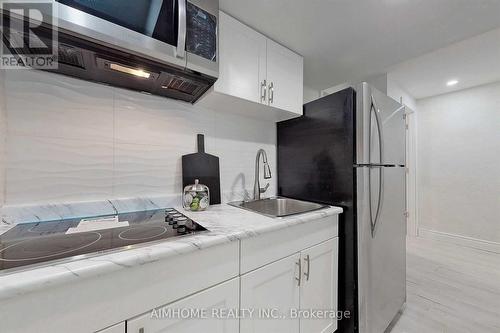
(225, 224)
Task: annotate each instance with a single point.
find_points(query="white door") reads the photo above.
(271, 287)
(284, 78)
(319, 285)
(242, 60)
(223, 296)
(118, 328)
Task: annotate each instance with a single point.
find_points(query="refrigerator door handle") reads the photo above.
(374, 219)
(374, 109)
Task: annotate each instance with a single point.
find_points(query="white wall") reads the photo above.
(385, 83)
(336, 88)
(397, 92)
(378, 81)
(72, 140)
(310, 94)
(458, 163)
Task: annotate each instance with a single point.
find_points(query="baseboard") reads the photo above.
(460, 240)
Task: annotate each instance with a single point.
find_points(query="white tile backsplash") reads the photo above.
(49, 105)
(71, 140)
(145, 170)
(154, 120)
(40, 170)
(236, 142)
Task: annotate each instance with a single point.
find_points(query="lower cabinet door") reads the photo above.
(206, 311)
(271, 292)
(319, 288)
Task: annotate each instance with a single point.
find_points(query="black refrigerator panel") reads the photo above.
(316, 153)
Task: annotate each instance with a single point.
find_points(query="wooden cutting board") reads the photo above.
(204, 167)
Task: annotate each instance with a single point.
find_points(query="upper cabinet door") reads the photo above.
(284, 78)
(242, 65)
(319, 285)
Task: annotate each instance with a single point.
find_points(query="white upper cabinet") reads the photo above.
(242, 57)
(257, 76)
(285, 78)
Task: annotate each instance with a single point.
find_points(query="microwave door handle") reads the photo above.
(182, 30)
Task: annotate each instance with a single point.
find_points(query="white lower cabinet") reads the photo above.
(302, 287)
(319, 286)
(287, 283)
(270, 288)
(223, 296)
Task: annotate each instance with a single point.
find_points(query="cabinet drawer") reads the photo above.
(181, 316)
(264, 249)
(118, 328)
(111, 298)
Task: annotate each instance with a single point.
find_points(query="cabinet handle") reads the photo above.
(263, 91)
(307, 259)
(300, 273)
(271, 93)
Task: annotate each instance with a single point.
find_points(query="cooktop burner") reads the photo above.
(36, 243)
(142, 233)
(44, 248)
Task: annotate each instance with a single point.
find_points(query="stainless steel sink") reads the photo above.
(278, 207)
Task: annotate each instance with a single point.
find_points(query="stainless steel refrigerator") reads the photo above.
(348, 150)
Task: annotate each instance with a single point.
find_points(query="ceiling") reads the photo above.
(472, 62)
(348, 40)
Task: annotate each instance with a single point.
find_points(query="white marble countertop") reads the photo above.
(225, 224)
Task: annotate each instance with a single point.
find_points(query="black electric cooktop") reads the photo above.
(36, 243)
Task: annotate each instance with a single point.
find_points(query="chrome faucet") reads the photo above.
(257, 190)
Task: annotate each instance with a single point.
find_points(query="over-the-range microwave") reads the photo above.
(174, 41)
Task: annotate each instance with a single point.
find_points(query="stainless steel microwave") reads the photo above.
(178, 32)
(175, 42)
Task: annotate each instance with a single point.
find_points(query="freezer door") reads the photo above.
(381, 255)
(380, 128)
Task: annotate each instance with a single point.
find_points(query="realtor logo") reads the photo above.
(28, 34)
